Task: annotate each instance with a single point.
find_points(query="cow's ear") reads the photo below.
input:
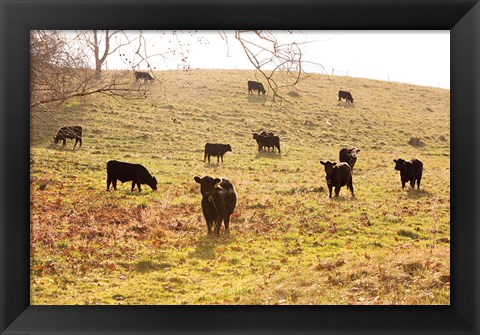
(217, 183)
(334, 163)
(358, 150)
(394, 160)
(322, 162)
(197, 179)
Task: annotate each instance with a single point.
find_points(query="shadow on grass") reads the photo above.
(62, 148)
(208, 245)
(342, 198)
(267, 154)
(417, 194)
(258, 99)
(346, 104)
(122, 190)
(212, 165)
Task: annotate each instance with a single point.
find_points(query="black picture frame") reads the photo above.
(17, 18)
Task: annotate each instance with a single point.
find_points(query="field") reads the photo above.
(289, 243)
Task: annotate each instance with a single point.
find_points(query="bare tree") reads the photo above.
(60, 70)
(100, 42)
(281, 63)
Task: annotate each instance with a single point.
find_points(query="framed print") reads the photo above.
(233, 213)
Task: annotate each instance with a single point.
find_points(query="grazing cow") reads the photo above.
(267, 141)
(216, 149)
(143, 75)
(122, 171)
(218, 202)
(345, 95)
(71, 132)
(349, 156)
(410, 171)
(338, 175)
(255, 86)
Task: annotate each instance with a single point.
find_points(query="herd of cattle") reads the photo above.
(218, 194)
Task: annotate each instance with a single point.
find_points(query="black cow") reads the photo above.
(71, 132)
(143, 75)
(266, 133)
(345, 95)
(267, 141)
(122, 171)
(349, 156)
(338, 175)
(218, 202)
(216, 149)
(255, 86)
(410, 171)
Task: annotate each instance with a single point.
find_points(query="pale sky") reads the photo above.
(416, 57)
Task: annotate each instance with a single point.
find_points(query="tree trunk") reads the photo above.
(98, 70)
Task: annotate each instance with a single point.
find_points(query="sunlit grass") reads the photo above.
(289, 243)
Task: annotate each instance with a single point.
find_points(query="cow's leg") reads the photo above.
(337, 186)
(133, 185)
(278, 147)
(109, 181)
(337, 190)
(209, 227)
(64, 141)
(330, 190)
(218, 159)
(80, 140)
(412, 182)
(208, 159)
(218, 225)
(139, 187)
(226, 221)
(114, 183)
(350, 185)
(205, 157)
(403, 184)
(418, 182)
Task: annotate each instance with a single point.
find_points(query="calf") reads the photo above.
(410, 171)
(71, 132)
(345, 95)
(338, 175)
(218, 202)
(267, 141)
(349, 156)
(122, 171)
(255, 85)
(216, 149)
(143, 75)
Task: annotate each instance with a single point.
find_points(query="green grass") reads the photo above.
(289, 243)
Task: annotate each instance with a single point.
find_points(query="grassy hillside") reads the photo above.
(289, 243)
